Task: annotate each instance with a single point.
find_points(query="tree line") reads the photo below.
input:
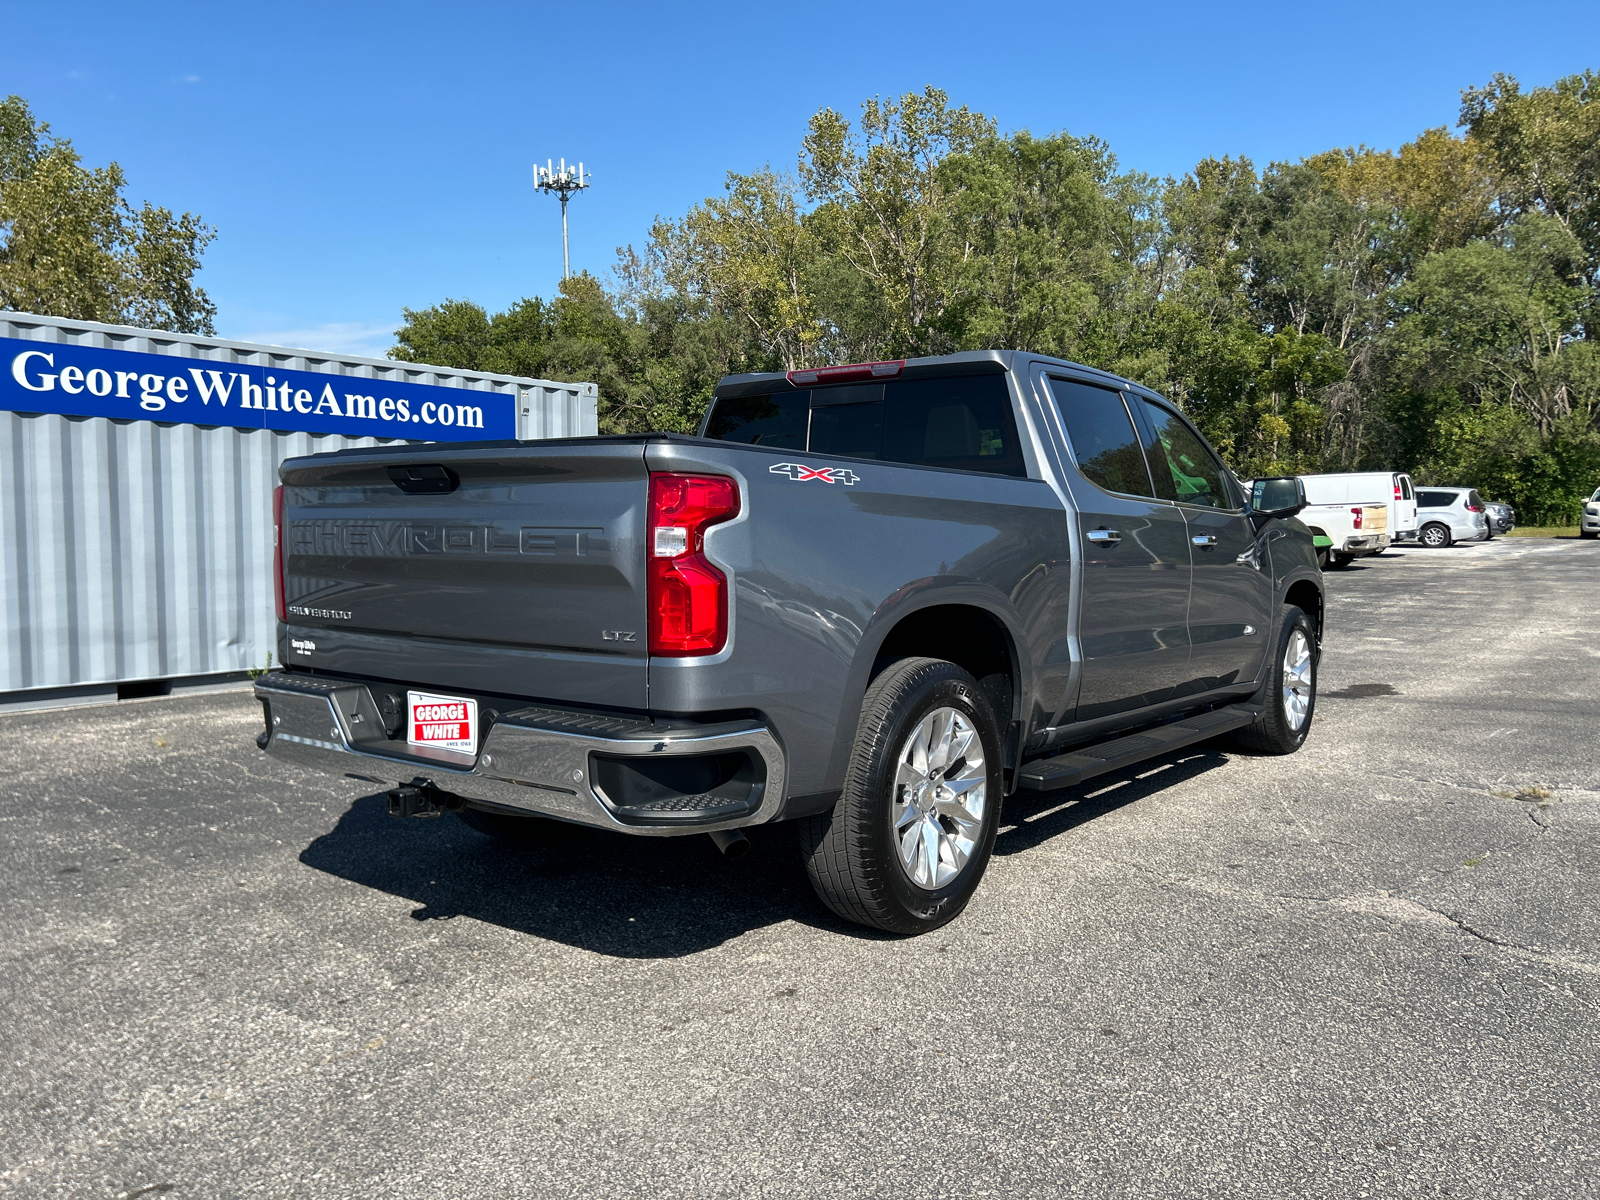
(1429, 309)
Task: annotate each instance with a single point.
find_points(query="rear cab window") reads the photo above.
(778, 420)
(962, 422)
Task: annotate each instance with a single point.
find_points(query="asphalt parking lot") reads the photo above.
(1370, 969)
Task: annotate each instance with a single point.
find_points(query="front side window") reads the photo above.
(778, 420)
(1102, 436)
(1183, 468)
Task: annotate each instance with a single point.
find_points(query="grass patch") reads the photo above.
(1545, 531)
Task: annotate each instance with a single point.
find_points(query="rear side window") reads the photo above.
(778, 420)
(963, 423)
(1183, 468)
(1102, 436)
(1427, 499)
(1474, 498)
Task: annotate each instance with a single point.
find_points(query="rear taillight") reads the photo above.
(1474, 508)
(1397, 491)
(1357, 512)
(688, 597)
(277, 553)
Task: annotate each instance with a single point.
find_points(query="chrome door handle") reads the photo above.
(1104, 535)
(1205, 540)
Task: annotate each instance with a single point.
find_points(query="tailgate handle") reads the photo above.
(430, 479)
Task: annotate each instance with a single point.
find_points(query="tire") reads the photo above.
(1589, 533)
(853, 854)
(1434, 536)
(1322, 559)
(513, 829)
(1341, 560)
(1276, 731)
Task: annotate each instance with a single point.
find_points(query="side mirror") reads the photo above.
(1282, 496)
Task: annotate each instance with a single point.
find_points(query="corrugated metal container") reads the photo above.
(135, 550)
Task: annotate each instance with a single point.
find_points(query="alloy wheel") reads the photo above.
(1297, 679)
(940, 790)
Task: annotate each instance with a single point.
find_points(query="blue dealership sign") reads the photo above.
(89, 381)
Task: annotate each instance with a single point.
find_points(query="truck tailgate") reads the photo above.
(525, 577)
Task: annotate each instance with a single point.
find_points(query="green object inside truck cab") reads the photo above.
(1321, 542)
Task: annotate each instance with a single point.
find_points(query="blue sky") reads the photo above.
(358, 159)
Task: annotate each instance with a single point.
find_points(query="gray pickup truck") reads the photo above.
(872, 600)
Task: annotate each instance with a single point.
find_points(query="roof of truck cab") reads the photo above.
(967, 362)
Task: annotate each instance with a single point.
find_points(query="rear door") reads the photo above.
(1133, 627)
(516, 570)
(1230, 594)
(1405, 507)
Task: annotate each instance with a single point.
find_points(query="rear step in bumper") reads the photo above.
(535, 759)
(1066, 770)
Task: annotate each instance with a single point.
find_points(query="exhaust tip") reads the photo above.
(732, 842)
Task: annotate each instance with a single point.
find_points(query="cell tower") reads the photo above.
(563, 181)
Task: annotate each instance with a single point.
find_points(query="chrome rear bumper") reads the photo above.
(539, 760)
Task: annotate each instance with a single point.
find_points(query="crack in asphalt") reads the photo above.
(1385, 905)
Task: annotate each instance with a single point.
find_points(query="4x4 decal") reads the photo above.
(799, 472)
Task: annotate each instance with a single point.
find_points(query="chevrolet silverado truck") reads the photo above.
(871, 600)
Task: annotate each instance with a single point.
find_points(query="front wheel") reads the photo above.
(908, 841)
(1589, 533)
(1435, 537)
(1290, 693)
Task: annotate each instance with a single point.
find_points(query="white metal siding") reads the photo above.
(135, 550)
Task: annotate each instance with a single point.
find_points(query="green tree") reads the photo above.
(885, 214)
(72, 246)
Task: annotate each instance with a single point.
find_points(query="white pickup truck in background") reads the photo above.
(1358, 513)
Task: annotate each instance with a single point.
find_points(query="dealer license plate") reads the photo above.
(442, 722)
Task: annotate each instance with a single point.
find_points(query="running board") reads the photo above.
(1066, 770)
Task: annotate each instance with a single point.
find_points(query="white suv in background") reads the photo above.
(1589, 523)
(1449, 514)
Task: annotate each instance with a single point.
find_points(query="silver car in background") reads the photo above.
(1502, 517)
(1589, 523)
(1451, 514)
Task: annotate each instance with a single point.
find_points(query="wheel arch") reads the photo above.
(1307, 597)
(968, 624)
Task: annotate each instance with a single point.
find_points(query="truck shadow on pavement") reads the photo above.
(630, 897)
(633, 897)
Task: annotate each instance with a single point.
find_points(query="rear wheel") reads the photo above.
(907, 844)
(1342, 560)
(1290, 694)
(1434, 536)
